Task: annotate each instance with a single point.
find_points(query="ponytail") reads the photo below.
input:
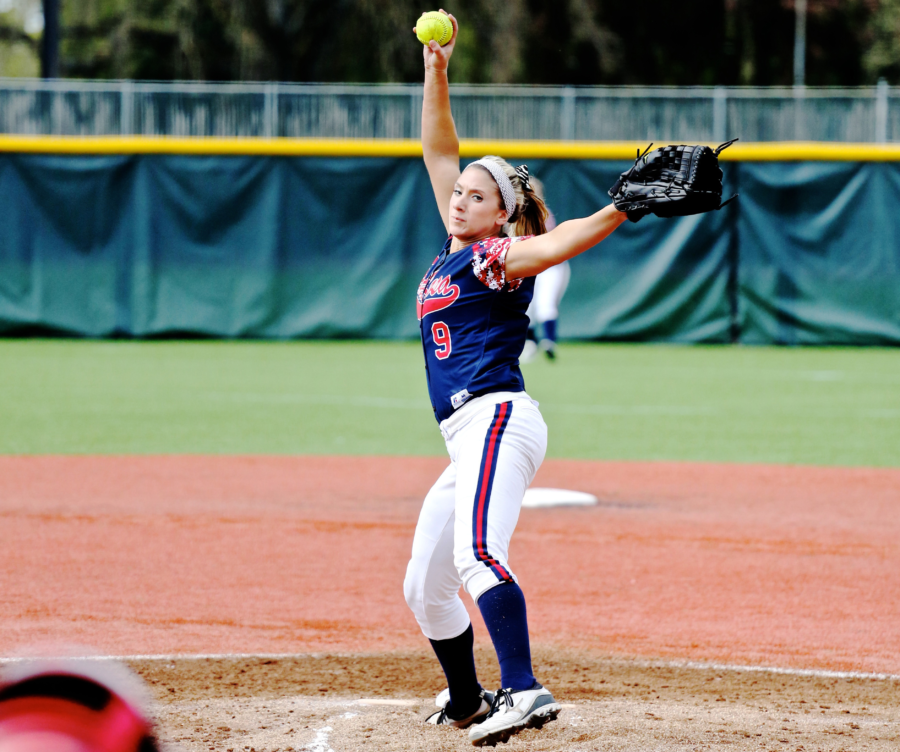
(531, 216)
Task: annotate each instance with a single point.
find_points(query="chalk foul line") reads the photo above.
(696, 665)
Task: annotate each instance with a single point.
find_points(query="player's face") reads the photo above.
(476, 210)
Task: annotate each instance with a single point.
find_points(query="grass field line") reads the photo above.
(407, 404)
(348, 400)
(695, 665)
(394, 403)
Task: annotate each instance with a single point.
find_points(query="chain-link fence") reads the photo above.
(70, 107)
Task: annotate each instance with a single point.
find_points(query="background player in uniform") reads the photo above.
(549, 287)
(471, 306)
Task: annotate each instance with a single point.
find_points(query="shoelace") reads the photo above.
(444, 717)
(503, 696)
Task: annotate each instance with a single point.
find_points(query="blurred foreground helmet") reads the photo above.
(72, 706)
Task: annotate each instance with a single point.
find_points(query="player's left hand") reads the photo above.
(673, 181)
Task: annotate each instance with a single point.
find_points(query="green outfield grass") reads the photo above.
(639, 402)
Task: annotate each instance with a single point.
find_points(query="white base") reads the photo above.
(536, 498)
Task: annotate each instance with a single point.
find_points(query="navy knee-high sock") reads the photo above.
(457, 658)
(503, 609)
(550, 330)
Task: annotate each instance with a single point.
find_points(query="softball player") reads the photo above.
(471, 306)
(549, 287)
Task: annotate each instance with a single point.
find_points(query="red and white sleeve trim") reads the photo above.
(489, 263)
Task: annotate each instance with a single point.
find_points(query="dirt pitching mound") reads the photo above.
(350, 703)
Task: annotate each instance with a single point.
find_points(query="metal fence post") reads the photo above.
(799, 42)
(57, 103)
(881, 111)
(800, 113)
(567, 115)
(415, 111)
(720, 114)
(270, 110)
(126, 107)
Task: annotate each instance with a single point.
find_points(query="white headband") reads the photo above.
(503, 182)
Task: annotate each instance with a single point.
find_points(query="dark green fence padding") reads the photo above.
(819, 253)
(278, 247)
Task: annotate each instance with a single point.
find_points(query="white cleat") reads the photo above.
(442, 719)
(512, 712)
(548, 347)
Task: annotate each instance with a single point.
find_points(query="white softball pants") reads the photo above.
(496, 444)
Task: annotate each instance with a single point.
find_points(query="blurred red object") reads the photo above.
(72, 706)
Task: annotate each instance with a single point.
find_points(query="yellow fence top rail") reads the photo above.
(788, 151)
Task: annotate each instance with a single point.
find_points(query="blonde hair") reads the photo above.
(530, 216)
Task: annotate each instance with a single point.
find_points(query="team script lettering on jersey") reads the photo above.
(440, 294)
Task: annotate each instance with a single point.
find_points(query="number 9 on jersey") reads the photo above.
(440, 332)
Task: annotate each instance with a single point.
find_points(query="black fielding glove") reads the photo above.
(674, 181)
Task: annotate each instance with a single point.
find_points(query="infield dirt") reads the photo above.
(762, 565)
(767, 565)
(378, 701)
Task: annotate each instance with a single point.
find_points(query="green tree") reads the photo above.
(287, 40)
(578, 42)
(694, 42)
(882, 59)
(20, 37)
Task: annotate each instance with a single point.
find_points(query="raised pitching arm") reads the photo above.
(440, 149)
(440, 144)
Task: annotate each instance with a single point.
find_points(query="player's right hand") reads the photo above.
(435, 56)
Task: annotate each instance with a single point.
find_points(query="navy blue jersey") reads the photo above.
(473, 324)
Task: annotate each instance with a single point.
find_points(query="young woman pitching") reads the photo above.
(471, 307)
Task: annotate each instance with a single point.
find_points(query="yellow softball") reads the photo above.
(436, 26)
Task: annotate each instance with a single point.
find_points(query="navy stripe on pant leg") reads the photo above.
(483, 490)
